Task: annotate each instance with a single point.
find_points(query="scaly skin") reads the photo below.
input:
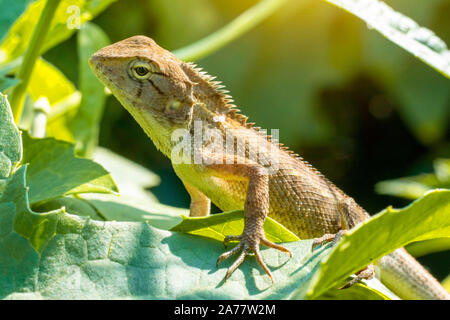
(166, 96)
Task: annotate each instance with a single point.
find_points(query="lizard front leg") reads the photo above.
(200, 204)
(256, 209)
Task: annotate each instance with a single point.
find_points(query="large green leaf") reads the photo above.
(426, 218)
(56, 255)
(64, 24)
(54, 170)
(10, 140)
(87, 259)
(218, 226)
(86, 123)
(401, 30)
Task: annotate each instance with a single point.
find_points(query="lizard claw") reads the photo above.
(366, 273)
(247, 245)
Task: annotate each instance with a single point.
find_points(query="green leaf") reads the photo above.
(73, 205)
(64, 24)
(135, 208)
(54, 170)
(88, 259)
(401, 30)
(422, 248)
(129, 176)
(425, 218)
(86, 123)
(15, 8)
(55, 255)
(7, 82)
(10, 140)
(446, 283)
(218, 226)
(359, 291)
(415, 186)
(37, 228)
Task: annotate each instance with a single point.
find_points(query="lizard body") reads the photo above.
(236, 165)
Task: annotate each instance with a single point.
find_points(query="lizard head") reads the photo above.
(150, 83)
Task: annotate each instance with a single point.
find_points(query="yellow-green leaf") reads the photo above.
(218, 226)
(426, 218)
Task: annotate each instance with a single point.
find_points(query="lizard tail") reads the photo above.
(402, 274)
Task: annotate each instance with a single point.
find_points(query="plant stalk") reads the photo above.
(29, 60)
(229, 32)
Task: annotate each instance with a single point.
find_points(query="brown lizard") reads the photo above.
(235, 164)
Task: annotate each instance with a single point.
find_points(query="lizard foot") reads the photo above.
(246, 245)
(328, 238)
(366, 273)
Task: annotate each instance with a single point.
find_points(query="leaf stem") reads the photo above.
(32, 53)
(229, 32)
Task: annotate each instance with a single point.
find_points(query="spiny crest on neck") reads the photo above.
(215, 90)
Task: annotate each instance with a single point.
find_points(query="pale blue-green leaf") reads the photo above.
(128, 175)
(61, 256)
(7, 82)
(37, 228)
(54, 170)
(140, 207)
(10, 139)
(71, 204)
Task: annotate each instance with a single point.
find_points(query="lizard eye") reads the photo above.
(142, 70)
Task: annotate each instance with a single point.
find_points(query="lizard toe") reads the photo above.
(262, 263)
(275, 246)
(237, 262)
(231, 238)
(247, 245)
(366, 273)
(328, 237)
(228, 254)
